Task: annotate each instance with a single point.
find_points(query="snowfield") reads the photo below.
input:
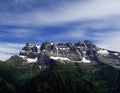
(84, 60)
(59, 58)
(103, 52)
(31, 60)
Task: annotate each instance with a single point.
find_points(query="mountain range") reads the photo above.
(81, 67)
(67, 53)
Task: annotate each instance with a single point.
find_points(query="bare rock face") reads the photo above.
(80, 52)
(30, 50)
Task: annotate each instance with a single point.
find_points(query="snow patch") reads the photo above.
(51, 43)
(56, 49)
(64, 48)
(31, 45)
(31, 60)
(115, 54)
(84, 60)
(38, 46)
(60, 58)
(22, 56)
(103, 52)
(23, 51)
(44, 50)
(79, 47)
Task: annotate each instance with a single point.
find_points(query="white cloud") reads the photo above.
(88, 10)
(75, 33)
(4, 56)
(109, 40)
(9, 49)
(71, 35)
(108, 23)
(21, 33)
(68, 12)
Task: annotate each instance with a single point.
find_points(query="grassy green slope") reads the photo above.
(12, 77)
(60, 78)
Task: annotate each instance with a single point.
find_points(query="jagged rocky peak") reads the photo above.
(47, 46)
(69, 44)
(63, 51)
(89, 44)
(63, 45)
(80, 52)
(30, 52)
(79, 43)
(29, 47)
(29, 44)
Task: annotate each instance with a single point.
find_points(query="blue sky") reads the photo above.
(37, 21)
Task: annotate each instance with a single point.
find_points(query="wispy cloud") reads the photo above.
(4, 56)
(21, 33)
(109, 40)
(18, 33)
(9, 49)
(80, 11)
(97, 20)
(73, 34)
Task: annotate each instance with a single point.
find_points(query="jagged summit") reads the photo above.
(67, 53)
(68, 50)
